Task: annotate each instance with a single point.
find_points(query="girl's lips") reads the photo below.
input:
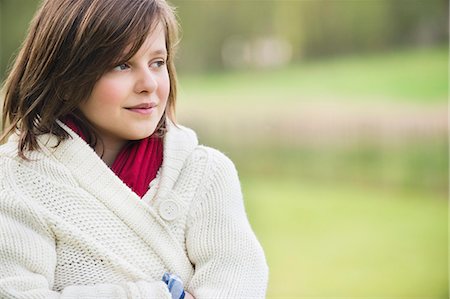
(145, 108)
(142, 110)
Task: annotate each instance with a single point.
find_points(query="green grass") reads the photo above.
(325, 240)
(411, 75)
(355, 219)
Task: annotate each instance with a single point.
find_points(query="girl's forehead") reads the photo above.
(155, 40)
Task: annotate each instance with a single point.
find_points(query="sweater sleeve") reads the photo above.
(28, 260)
(228, 259)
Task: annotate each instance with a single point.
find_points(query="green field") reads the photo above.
(325, 240)
(362, 219)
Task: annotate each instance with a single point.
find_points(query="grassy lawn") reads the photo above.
(324, 240)
(366, 220)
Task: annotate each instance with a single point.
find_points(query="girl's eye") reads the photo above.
(159, 63)
(121, 67)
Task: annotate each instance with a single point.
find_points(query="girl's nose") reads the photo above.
(146, 82)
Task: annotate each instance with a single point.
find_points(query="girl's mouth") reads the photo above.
(144, 108)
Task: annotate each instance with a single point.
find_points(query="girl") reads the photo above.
(102, 194)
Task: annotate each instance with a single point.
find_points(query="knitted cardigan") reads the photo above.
(70, 228)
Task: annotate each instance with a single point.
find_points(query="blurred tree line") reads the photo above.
(313, 29)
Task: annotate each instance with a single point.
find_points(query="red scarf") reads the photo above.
(138, 161)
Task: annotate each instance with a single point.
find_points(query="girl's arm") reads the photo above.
(28, 260)
(229, 261)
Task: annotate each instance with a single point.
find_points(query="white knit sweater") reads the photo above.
(70, 228)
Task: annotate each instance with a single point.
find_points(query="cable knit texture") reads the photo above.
(70, 228)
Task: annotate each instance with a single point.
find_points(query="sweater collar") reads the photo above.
(179, 143)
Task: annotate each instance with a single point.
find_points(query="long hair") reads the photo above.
(70, 44)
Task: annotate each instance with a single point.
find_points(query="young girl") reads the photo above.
(102, 194)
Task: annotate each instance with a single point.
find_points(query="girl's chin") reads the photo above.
(140, 136)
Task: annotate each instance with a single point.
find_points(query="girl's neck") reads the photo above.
(108, 149)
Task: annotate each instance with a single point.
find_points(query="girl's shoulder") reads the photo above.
(213, 167)
(213, 156)
(200, 155)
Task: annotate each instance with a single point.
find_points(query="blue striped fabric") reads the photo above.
(175, 285)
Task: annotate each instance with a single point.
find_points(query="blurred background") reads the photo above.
(335, 114)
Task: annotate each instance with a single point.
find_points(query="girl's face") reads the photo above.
(128, 101)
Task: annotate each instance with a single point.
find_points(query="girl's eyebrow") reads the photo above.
(159, 52)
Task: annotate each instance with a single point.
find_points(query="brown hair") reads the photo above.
(69, 46)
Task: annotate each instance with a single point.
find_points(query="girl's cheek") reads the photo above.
(109, 90)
